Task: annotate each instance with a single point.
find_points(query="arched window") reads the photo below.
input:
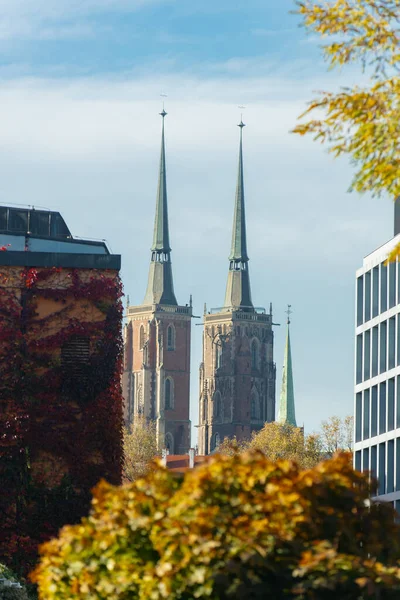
(254, 355)
(171, 337)
(141, 337)
(217, 440)
(217, 405)
(205, 409)
(168, 394)
(218, 355)
(255, 408)
(169, 442)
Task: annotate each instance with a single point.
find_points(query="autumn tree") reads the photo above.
(238, 527)
(284, 441)
(337, 434)
(140, 448)
(360, 121)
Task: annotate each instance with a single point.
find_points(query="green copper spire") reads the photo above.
(160, 287)
(238, 293)
(286, 403)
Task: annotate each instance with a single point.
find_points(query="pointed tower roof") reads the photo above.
(238, 293)
(160, 287)
(286, 402)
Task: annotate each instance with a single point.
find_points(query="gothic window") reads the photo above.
(169, 443)
(255, 409)
(217, 405)
(141, 337)
(218, 355)
(171, 337)
(254, 355)
(217, 440)
(169, 394)
(205, 409)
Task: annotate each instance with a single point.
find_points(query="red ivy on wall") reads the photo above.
(60, 420)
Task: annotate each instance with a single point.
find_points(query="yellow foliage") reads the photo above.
(361, 122)
(238, 526)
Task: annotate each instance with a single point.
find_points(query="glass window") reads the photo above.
(382, 470)
(141, 337)
(358, 416)
(367, 293)
(392, 284)
(375, 351)
(360, 300)
(382, 407)
(382, 348)
(375, 291)
(374, 411)
(169, 394)
(392, 343)
(390, 467)
(398, 403)
(383, 288)
(374, 465)
(366, 415)
(367, 354)
(398, 340)
(365, 465)
(358, 460)
(390, 410)
(359, 359)
(218, 356)
(254, 354)
(397, 464)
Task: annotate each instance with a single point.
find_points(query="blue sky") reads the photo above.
(79, 95)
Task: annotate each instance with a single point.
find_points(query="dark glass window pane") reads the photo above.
(382, 348)
(358, 460)
(392, 284)
(360, 300)
(383, 288)
(398, 340)
(375, 351)
(375, 291)
(365, 465)
(374, 465)
(382, 407)
(390, 467)
(358, 416)
(39, 222)
(397, 464)
(374, 411)
(359, 359)
(381, 473)
(3, 217)
(367, 310)
(390, 394)
(392, 342)
(18, 220)
(398, 403)
(366, 415)
(367, 354)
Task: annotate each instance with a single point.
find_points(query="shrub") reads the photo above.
(237, 527)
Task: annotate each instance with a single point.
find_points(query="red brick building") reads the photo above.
(156, 379)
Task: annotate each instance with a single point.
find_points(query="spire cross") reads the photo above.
(288, 312)
(163, 113)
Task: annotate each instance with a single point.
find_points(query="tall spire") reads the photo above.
(238, 293)
(160, 287)
(286, 403)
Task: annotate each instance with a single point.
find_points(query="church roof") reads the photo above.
(238, 292)
(286, 402)
(160, 286)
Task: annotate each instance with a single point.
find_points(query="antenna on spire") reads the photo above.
(289, 312)
(163, 113)
(241, 124)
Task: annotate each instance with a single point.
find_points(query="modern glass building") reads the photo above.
(377, 369)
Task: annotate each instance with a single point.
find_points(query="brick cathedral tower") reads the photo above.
(156, 379)
(237, 375)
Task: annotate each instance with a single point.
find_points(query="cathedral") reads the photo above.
(237, 372)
